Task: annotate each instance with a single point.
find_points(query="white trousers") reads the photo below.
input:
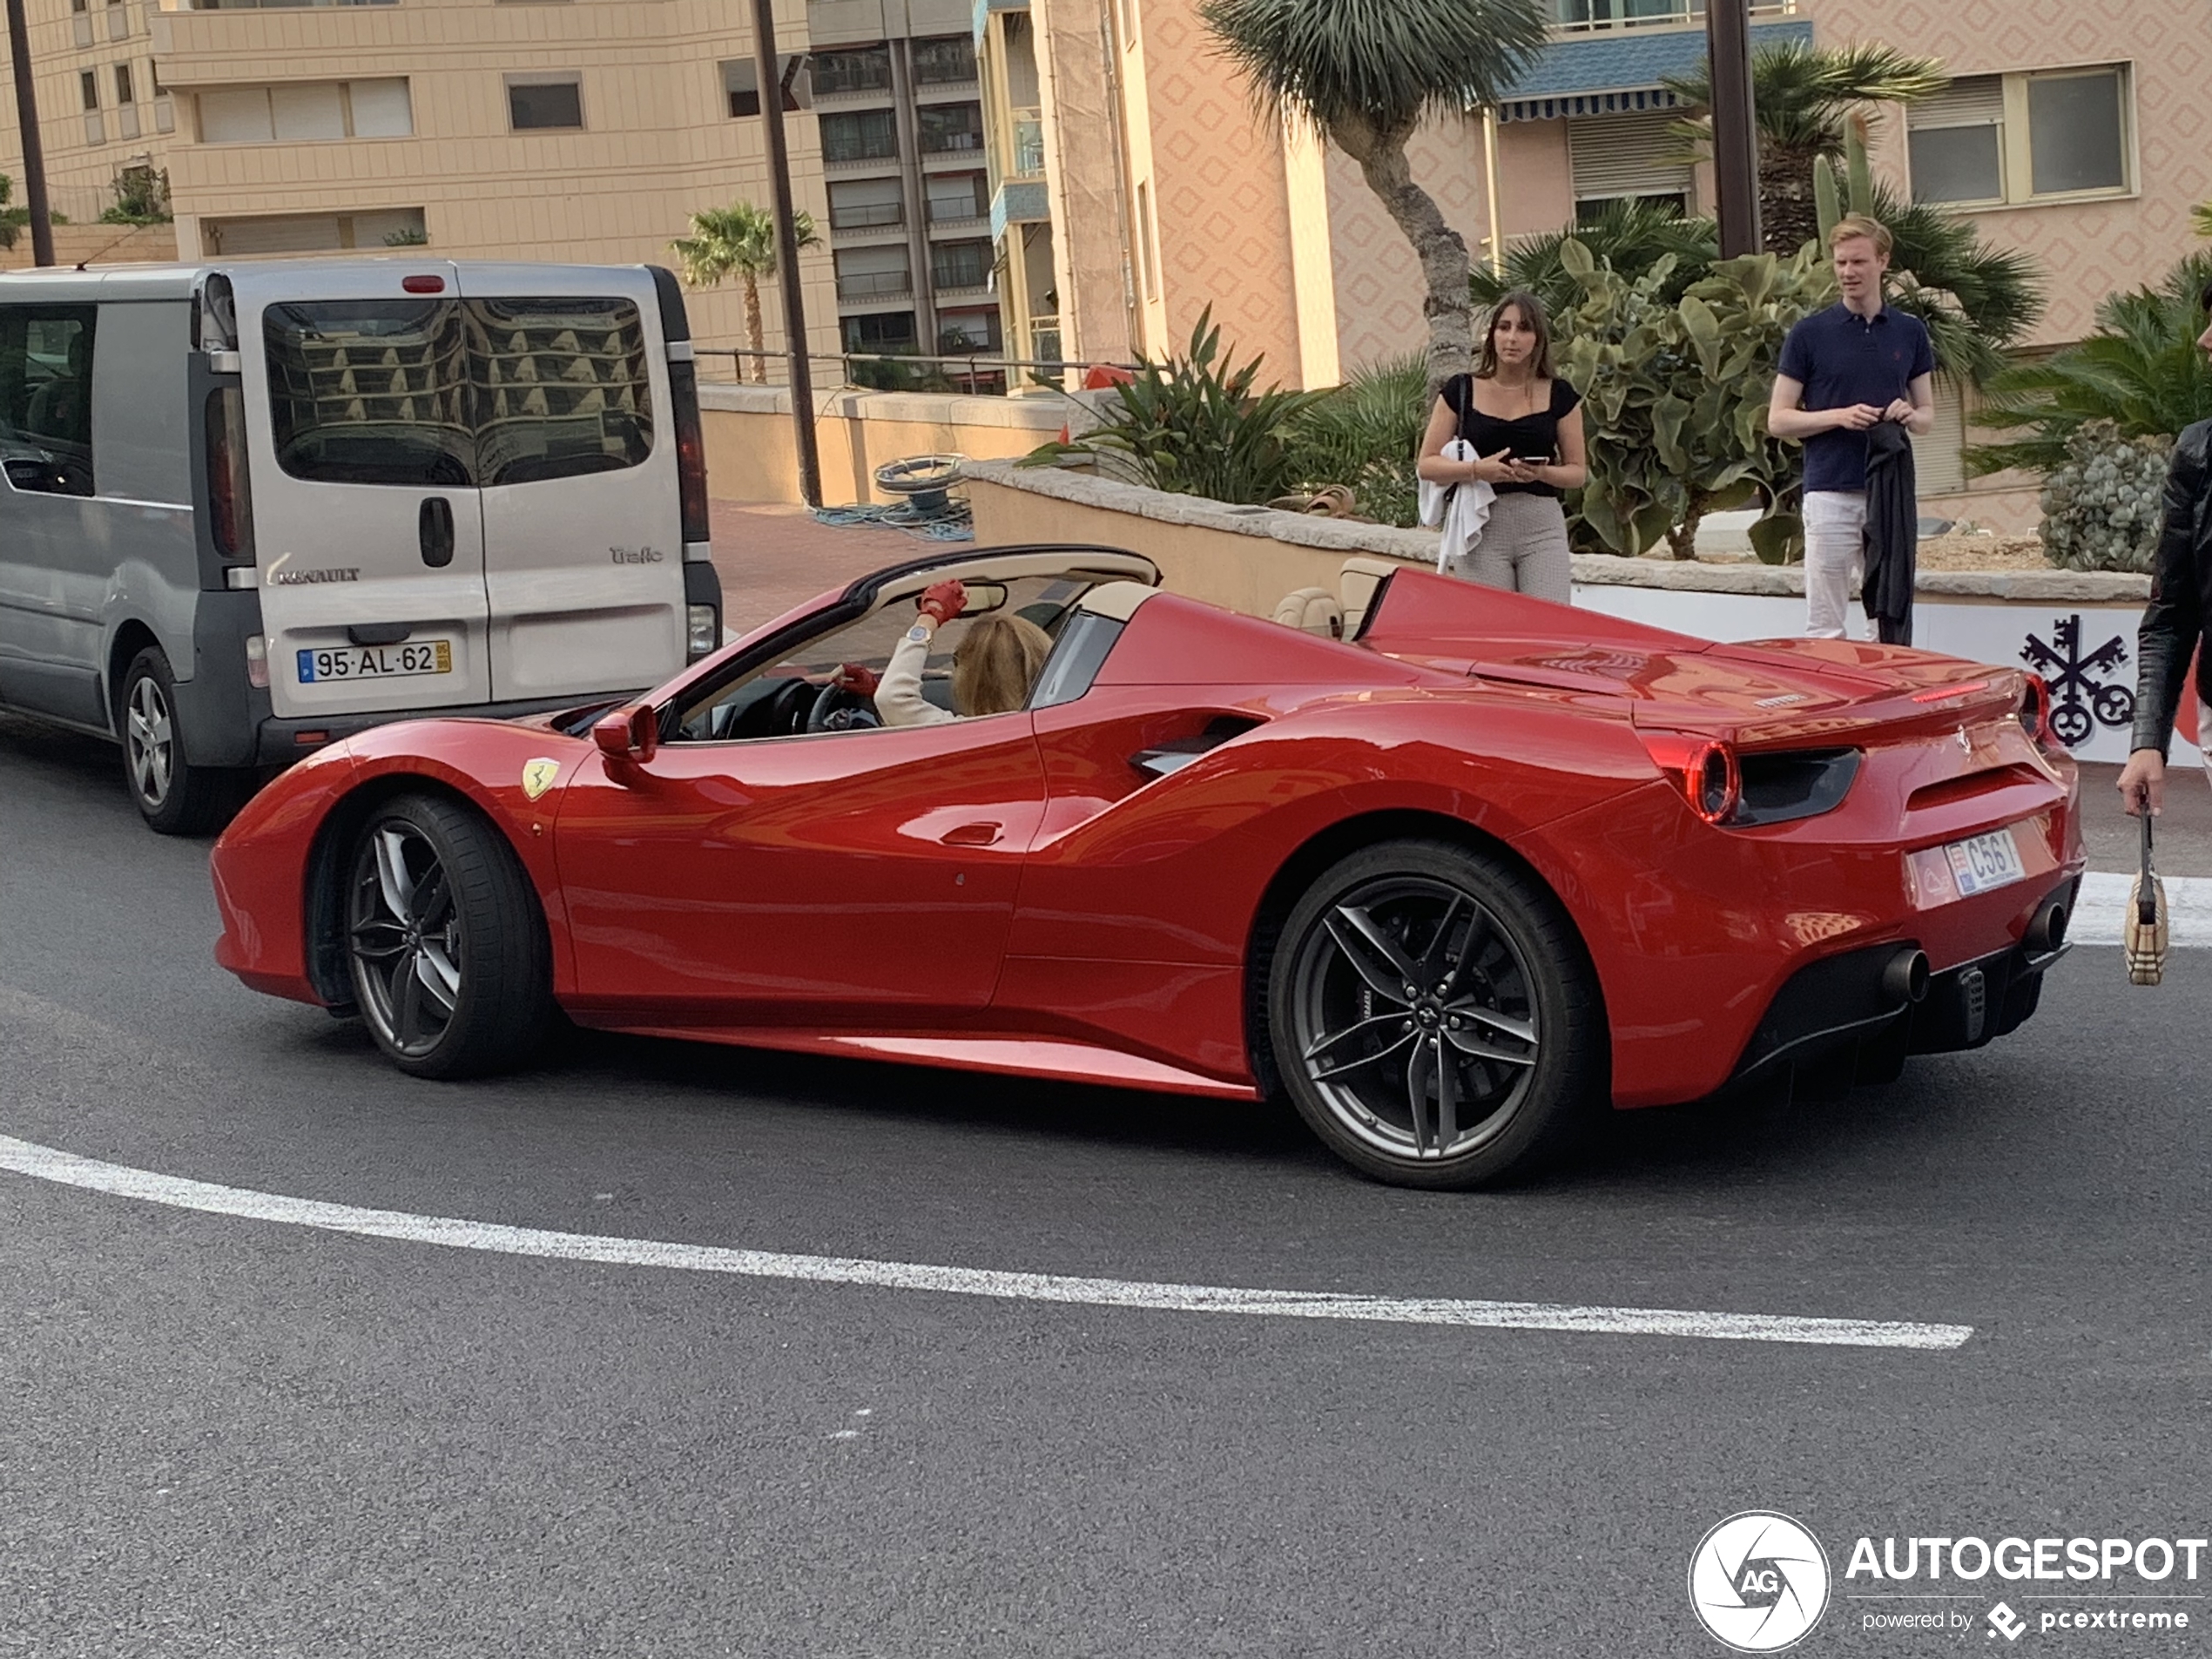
(1835, 557)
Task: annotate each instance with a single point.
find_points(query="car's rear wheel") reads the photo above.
(1434, 1016)
(448, 948)
(174, 795)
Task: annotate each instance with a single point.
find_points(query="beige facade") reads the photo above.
(101, 104)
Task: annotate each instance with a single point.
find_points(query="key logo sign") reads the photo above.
(1758, 1583)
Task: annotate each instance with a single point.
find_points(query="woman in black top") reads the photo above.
(1526, 426)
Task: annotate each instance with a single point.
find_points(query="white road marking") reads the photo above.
(66, 1169)
(2099, 914)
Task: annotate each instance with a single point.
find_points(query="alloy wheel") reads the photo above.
(1413, 1012)
(150, 739)
(403, 932)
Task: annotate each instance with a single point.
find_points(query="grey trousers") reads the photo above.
(1523, 550)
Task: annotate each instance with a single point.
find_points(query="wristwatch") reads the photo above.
(921, 633)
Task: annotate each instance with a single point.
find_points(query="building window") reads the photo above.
(861, 135)
(1615, 158)
(741, 84)
(123, 93)
(304, 112)
(2008, 139)
(865, 273)
(881, 331)
(948, 60)
(860, 69)
(962, 332)
(960, 265)
(542, 105)
(867, 204)
(955, 197)
(88, 87)
(949, 128)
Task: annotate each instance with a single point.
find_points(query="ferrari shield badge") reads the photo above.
(538, 776)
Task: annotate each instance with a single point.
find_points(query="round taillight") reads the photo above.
(1715, 782)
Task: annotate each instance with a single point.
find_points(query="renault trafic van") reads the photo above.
(250, 509)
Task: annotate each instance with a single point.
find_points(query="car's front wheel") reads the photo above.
(1434, 1016)
(450, 962)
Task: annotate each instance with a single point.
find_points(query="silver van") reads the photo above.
(250, 509)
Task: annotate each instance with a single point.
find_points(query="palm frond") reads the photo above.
(1631, 236)
(736, 240)
(1802, 93)
(1378, 64)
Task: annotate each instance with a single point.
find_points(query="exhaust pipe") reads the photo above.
(1905, 978)
(2047, 931)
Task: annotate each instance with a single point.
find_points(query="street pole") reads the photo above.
(34, 152)
(1735, 139)
(767, 73)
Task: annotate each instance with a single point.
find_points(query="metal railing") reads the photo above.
(1028, 157)
(869, 216)
(1602, 16)
(972, 374)
(875, 285)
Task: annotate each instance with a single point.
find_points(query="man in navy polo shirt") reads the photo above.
(1843, 371)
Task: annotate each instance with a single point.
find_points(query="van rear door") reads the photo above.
(368, 526)
(577, 453)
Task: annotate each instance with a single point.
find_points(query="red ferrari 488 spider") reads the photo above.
(1450, 884)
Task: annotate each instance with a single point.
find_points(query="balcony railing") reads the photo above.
(875, 285)
(1027, 133)
(868, 217)
(1595, 17)
(1044, 339)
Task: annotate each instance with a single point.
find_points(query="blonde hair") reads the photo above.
(1852, 226)
(996, 664)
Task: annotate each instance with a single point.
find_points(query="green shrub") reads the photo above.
(2101, 511)
(1675, 398)
(1194, 425)
(1366, 436)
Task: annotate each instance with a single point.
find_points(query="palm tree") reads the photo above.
(1802, 97)
(1366, 74)
(1977, 300)
(740, 239)
(2142, 371)
(1630, 235)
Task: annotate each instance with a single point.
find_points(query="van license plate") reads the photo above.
(375, 662)
(1985, 863)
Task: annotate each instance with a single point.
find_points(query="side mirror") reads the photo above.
(630, 734)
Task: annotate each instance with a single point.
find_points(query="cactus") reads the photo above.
(1847, 187)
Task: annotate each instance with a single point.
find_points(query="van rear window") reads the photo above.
(46, 397)
(451, 393)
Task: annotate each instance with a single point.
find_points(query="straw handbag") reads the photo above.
(2145, 921)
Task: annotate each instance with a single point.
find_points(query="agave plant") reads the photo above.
(2142, 371)
(1195, 426)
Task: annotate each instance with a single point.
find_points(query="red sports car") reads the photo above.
(1449, 884)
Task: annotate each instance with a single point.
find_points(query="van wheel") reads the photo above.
(175, 796)
(451, 967)
(1434, 1017)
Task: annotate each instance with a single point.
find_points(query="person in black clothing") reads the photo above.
(2178, 619)
(1525, 425)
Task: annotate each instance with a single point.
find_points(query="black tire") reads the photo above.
(1366, 1034)
(173, 795)
(445, 942)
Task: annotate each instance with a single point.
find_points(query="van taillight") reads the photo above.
(230, 501)
(691, 450)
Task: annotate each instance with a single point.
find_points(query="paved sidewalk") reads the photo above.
(772, 556)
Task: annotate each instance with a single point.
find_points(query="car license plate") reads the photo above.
(375, 662)
(1985, 863)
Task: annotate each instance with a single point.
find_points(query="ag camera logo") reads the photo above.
(1758, 1581)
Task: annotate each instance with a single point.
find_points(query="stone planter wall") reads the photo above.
(1247, 558)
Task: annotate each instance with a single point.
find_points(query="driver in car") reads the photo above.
(993, 668)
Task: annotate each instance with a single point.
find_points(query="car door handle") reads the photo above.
(973, 835)
(434, 526)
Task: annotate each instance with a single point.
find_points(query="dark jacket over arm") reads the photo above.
(1892, 531)
(2180, 596)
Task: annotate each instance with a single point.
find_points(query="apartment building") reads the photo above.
(897, 101)
(103, 111)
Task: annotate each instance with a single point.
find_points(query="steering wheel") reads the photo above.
(840, 710)
(785, 713)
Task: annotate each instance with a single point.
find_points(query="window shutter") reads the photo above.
(1626, 155)
(1938, 460)
(1973, 101)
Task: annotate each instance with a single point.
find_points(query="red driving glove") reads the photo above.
(944, 601)
(857, 677)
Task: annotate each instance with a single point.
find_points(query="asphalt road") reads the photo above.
(232, 1437)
